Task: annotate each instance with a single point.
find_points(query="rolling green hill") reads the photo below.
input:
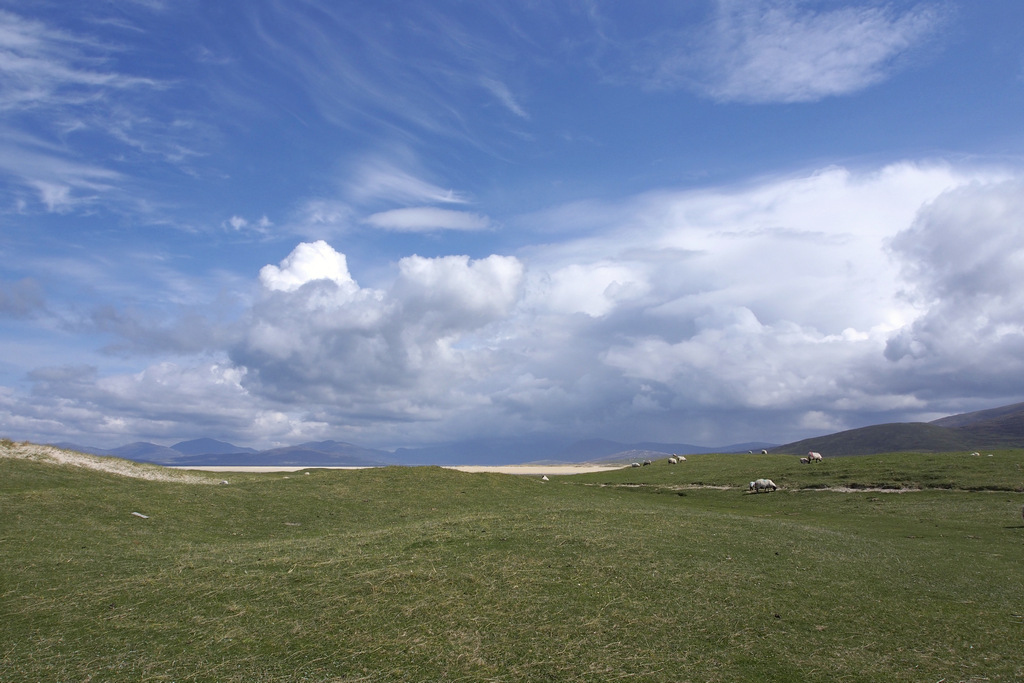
(660, 573)
(983, 430)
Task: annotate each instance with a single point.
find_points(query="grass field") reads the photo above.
(427, 574)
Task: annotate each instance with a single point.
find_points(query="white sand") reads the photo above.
(256, 468)
(536, 469)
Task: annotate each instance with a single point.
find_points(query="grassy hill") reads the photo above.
(983, 430)
(885, 438)
(660, 573)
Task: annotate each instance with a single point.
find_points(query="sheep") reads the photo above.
(812, 456)
(976, 454)
(764, 452)
(682, 458)
(646, 463)
(635, 464)
(673, 461)
(804, 461)
(762, 485)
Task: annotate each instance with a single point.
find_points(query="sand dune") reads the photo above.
(125, 468)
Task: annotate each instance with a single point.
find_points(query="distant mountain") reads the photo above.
(209, 447)
(143, 451)
(312, 454)
(68, 446)
(986, 429)
(551, 450)
(592, 450)
(496, 451)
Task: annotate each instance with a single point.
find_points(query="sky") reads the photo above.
(404, 223)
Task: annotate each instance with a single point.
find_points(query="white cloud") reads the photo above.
(594, 288)
(784, 51)
(308, 262)
(377, 179)
(962, 261)
(45, 67)
(242, 224)
(427, 218)
(504, 95)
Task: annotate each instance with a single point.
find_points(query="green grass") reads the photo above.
(426, 574)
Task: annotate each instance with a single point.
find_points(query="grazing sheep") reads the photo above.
(812, 456)
(545, 478)
(976, 454)
(682, 458)
(673, 461)
(804, 461)
(635, 464)
(764, 452)
(759, 485)
(646, 463)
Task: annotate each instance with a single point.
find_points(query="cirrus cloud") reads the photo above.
(784, 51)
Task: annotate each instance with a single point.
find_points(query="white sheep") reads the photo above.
(764, 452)
(682, 458)
(646, 463)
(673, 461)
(812, 456)
(804, 461)
(762, 485)
(635, 464)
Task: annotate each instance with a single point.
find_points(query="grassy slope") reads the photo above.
(885, 438)
(431, 574)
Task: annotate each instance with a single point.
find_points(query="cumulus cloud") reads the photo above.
(962, 260)
(785, 51)
(394, 353)
(777, 298)
(306, 263)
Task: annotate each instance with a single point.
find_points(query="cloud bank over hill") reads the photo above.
(770, 310)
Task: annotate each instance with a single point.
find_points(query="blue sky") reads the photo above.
(400, 223)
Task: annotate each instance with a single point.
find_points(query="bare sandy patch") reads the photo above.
(124, 468)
